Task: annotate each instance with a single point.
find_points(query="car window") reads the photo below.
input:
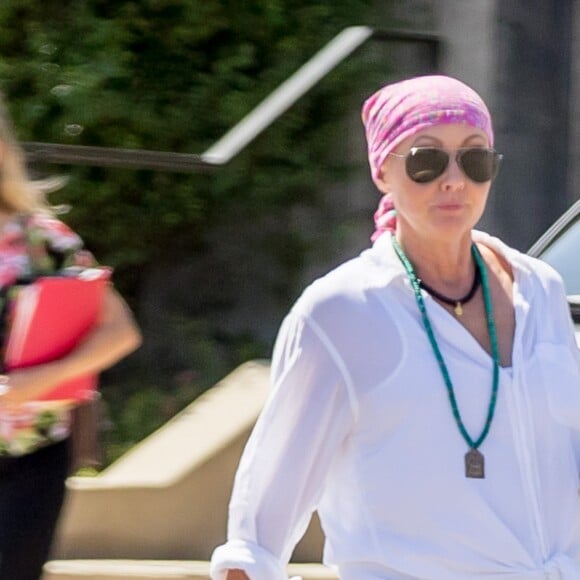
(564, 255)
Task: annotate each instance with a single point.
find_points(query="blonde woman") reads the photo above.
(34, 449)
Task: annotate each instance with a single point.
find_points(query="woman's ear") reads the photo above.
(382, 181)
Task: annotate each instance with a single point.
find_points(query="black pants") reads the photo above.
(32, 491)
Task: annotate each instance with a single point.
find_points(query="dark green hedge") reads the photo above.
(175, 75)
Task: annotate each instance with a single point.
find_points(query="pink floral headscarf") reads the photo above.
(402, 109)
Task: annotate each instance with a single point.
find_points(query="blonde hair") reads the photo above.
(18, 192)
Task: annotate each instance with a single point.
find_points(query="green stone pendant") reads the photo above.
(474, 464)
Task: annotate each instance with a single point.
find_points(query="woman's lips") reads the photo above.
(450, 206)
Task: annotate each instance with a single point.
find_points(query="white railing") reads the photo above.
(237, 138)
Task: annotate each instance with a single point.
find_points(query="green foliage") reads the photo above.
(136, 408)
(175, 75)
(171, 75)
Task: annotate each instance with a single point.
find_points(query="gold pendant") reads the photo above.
(458, 309)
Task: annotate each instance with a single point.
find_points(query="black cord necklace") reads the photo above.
(459, 302)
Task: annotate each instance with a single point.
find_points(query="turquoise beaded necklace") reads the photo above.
(474, 460)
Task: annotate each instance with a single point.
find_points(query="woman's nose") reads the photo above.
(453, 178)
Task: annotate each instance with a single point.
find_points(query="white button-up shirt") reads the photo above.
(359, 426)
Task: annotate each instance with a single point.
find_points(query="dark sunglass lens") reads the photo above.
(425, 164)
(480, 165)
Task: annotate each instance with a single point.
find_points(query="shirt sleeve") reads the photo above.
(282, 472)
(64, 246)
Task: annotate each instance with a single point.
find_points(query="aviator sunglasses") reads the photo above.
(425, 164)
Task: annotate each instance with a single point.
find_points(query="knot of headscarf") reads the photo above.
(402, 109)
(385, 217)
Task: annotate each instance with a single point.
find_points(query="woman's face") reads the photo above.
(447, 207)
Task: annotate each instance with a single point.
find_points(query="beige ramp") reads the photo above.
(167, 498)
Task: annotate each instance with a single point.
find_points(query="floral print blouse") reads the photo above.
(30, 244)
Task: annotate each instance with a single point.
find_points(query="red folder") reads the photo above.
(48, 318)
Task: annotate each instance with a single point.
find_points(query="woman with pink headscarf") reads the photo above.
(425, 394)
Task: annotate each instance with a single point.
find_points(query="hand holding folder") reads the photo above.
(48, 318)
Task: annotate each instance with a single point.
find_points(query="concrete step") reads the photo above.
(156, 570)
